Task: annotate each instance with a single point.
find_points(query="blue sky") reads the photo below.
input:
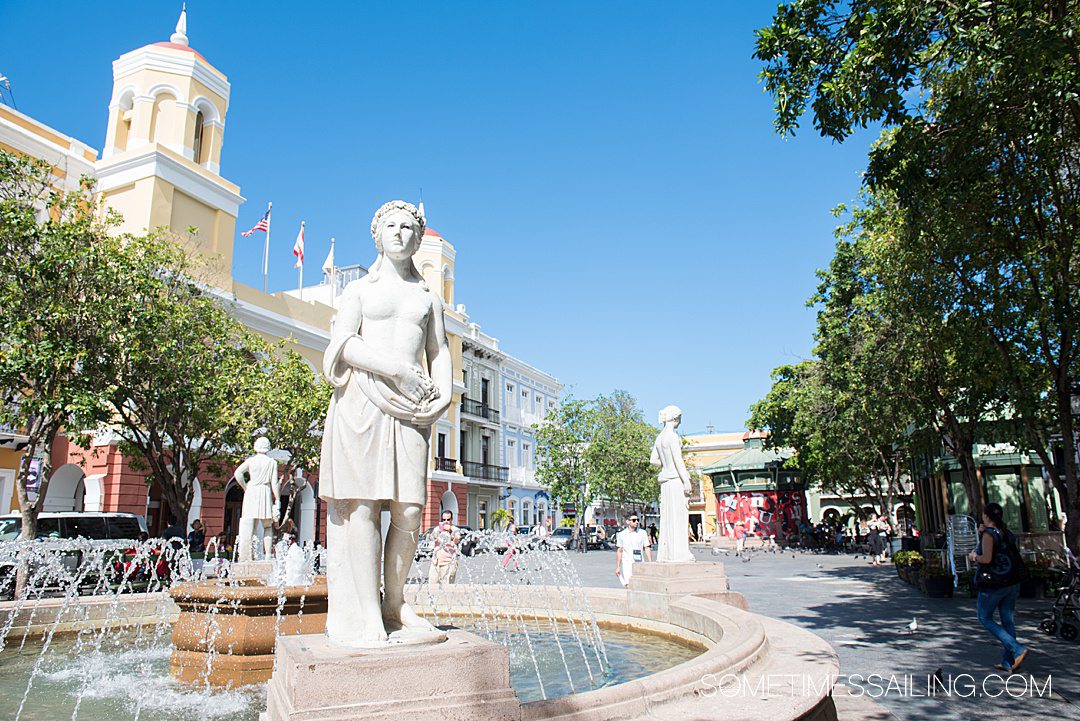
(624, 215)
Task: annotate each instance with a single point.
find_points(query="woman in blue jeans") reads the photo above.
(991, 548)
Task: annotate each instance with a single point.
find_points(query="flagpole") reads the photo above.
(266, 248)
(333, 277)
(301, 263)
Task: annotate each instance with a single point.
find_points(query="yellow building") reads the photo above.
(160, 167)
(701, 451)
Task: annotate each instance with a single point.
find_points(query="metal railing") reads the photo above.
(446, 464)
(476, 408)
(485, 471)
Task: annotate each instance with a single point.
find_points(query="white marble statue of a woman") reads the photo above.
(258, 476)
(390, 366)
(674, 489)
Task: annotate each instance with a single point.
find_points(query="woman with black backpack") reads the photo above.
(998, 580)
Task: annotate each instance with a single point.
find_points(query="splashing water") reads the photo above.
(88, 636)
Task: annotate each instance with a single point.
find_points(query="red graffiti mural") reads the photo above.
(761, 513)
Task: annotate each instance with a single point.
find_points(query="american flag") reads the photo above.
(263, 225)
(298, 247)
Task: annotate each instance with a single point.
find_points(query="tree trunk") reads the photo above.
(28, 510)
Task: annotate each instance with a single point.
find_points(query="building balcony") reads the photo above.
(478, 409)
(524, 476)
(517, 416)
(485, 471)
(446, 464)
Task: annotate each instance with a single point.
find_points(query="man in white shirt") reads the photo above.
(631, 542)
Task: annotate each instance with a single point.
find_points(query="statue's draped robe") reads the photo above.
(261, 472)
(371, 449)
(674, 505)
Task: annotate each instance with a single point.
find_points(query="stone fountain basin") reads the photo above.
(735, 643)
(739, 648)
(224, 633)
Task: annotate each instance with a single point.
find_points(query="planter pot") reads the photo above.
(900, 572)
(1030, 588)
(938, 586)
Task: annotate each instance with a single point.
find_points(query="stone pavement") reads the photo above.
(864, 612)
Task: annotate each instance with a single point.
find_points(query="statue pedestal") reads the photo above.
(655, 585)
(463, 678)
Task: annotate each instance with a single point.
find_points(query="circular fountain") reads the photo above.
(225, 632)
(677, 640)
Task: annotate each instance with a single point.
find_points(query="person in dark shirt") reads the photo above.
(197, 537)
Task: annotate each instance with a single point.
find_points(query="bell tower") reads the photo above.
(161, 162)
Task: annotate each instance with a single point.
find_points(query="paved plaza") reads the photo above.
(864, 612)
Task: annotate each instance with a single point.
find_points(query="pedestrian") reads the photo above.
(444, 554)
(740, 536)
(174, 535)
(654, 534)
(631, 543)
(511, 548)
(998, 581)
(875, 535)
(196, 540)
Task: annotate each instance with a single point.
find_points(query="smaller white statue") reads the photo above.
(674, 490)
(261, 493)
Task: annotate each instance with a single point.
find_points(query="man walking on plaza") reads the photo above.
(445, 552)
(631, 543)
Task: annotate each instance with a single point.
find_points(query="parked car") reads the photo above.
(68, 525)
(561, 538)
(73, 524)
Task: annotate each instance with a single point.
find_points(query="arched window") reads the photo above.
(197, 142)
(526, 513)
(125, 113)
(511, 505)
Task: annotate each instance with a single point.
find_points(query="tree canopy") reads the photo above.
(597, 449)
(970, 216)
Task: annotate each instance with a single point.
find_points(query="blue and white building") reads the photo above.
(528, 395)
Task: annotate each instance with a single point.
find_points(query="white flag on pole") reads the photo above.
(328, 264)
(298, 248)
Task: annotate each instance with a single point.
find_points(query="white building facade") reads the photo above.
(528, 395)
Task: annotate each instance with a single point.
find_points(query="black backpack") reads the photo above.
(1006, 567)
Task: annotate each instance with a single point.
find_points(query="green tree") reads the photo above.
(597, 449)
(288, 406)
(186, 372)
(618, 452)
(561, 440)
(63, 289)
(981, 103)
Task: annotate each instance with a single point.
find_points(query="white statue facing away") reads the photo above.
(674, 490)
(390, 366)
(261, 493)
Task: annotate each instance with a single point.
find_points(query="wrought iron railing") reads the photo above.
(485, 471)
(476, 408)
(446, 464)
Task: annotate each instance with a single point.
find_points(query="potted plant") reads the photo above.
(908, 564)
(936, 581)
(1040, 574)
